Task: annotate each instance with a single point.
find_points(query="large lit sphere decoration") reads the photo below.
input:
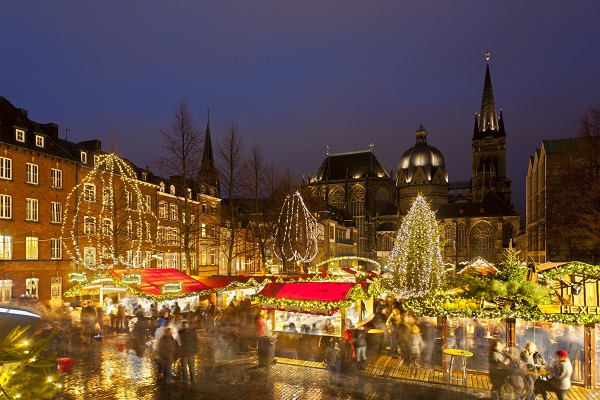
(107, 223)
(296, 232)
(415, 266)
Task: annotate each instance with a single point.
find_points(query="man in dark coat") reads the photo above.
(188, 350)
(167, 351)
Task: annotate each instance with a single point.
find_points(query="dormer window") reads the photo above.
(39, 140)
(20, 135)
(144, 176)
(172, 189)
(84, 157)
(96, 160)
(162, 187)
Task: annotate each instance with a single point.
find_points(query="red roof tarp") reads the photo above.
(153, 280)
(319, 291)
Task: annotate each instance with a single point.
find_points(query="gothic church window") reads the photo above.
(337, 197)
(482, 242)
(507, 234)
(382, 200)
(357, 200)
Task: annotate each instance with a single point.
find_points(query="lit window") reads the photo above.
(39, 141)
(5, 168)
(5, 247)
(56, 212)
(203, 207)
(20, 135)
(144, 176)
(55, 249)
(31, 173)
(174, 212)
(106, 196)
(203, 229)
(172, 189)
(213, 257)
(31, 211)
(84, 157)
(89, 256)
(89, 192)
(129, 230)
(148, 203)
(162, 187)
(56, 178)
(162, 210)
(128, 199)
(89, 225)
(5, 206)
(96, 160)
(31, 248)
(107, 226)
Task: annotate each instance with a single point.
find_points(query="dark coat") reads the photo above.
(189, 342)
(167, 348)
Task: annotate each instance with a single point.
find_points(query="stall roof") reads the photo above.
(354, 271)
(154, 279)
(318, 291)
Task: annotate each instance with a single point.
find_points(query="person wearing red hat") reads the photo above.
(558, 379)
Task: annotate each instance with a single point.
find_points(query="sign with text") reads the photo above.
(132, 279)
(77, 277)
(172, 287)
(557, 309)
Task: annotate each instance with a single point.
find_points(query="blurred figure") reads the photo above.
(188, 350)
(120, 318)
(558, 379)
(428, 334)
(333, 360)
(167, 351)
(392, 329)
(498, 362)
(360, 347)
(415, 342)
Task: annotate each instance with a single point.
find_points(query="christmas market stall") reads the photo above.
(141, 287)
(306, 316)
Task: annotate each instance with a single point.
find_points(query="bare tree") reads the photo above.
(573, 198)
(182, 144)
(232, 173)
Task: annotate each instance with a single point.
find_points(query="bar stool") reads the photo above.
(463, 355)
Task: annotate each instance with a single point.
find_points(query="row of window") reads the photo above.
(31, 209)
(31, 173)
(31, 248)
(20, 137)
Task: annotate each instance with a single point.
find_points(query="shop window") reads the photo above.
(31, 287)
(474, 335)
(5, 290)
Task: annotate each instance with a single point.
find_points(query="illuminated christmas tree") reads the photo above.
(296, 233)
(25, 373)
(415, 265)
(108, 222)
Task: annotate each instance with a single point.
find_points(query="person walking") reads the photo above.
(360, 347)
(499, 363)
(188, 350)
(333, 360)
(167, 351)
(558, 379)
(415, 343)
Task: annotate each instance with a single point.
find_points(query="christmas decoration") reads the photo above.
(296, 233)
(335, 259)
(415, 266)
(106, 219)
(25, 372)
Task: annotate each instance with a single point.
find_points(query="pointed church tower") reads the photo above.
(208, 178)
(489, 148)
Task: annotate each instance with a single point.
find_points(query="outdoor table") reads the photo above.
(463, 354)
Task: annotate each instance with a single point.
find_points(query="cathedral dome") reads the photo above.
(421, 155)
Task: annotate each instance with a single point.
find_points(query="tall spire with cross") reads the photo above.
(487, 118)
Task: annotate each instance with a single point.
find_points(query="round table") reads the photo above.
(463, 354)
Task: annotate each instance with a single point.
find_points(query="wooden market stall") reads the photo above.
(307, 315)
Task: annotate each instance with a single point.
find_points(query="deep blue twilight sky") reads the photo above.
(300, 75)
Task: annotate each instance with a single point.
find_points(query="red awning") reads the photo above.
(319, 291)
(153, 281)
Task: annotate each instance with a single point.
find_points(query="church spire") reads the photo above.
(487, 117)
(208, 173)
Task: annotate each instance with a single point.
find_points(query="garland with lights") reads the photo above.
(296, 232)
(105, 217)
(415, 266)
(334, 259)
(23, 367)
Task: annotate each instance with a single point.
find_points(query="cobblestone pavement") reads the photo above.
(101, 371)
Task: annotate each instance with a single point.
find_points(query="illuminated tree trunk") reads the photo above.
(415, 265)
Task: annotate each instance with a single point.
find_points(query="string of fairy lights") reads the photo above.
(296, 232)
(415, 265)
(106, 219)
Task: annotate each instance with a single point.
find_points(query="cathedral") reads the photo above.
(477, 216)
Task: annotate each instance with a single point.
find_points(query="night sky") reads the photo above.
(298, 76)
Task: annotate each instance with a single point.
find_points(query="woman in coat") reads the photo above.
(558, 379)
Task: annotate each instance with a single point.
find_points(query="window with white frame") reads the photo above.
(39, 141)
(203, 229)
(89, 225)
(128, 199)
(162, 210)
(56, 212)
(173, 208)
(107, 255)
(56, 178)
(89, 256)
(31, 248)
(96, 160)
(159, 260)
(129, 229)
(175, 260)
(147, 259)
(5, 168)
(31, 209)
(148, 231)
(55, 249)
(107, 226)
(32, 286)
(106, 197)
(20, 135)
(148, 203)
(172, 189)
(161, 187)
(31, 173)
(203, 256)
(159, 236)
(5, 247)
(89, 192)
(5, 206)
(175, 238)
(213, 257)
(137, 259)
(83, 157)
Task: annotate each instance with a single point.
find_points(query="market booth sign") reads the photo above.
(559, 309)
